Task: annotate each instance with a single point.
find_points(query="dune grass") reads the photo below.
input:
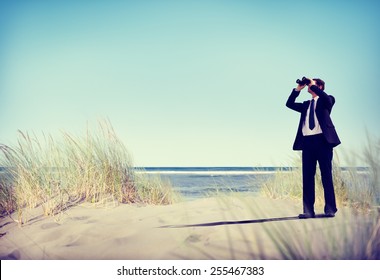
(58, 173)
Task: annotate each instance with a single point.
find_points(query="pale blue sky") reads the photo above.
(188, 83)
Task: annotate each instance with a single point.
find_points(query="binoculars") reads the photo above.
(303, 81)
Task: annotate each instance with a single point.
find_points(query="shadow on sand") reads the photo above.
(257, 221)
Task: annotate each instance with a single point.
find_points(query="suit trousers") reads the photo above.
(317, 149)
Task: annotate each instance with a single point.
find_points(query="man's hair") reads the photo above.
(320, 83)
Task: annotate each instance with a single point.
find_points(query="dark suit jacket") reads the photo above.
(323, 110)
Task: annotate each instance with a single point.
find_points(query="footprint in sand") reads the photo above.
(193, 238)
(49, 225)
(161, 221)
(15, 255)
(80, 218)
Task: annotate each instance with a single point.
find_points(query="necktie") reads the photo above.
(311, 115)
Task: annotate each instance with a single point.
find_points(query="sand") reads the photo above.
(231, 227)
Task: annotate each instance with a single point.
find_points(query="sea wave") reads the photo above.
(208, 173)
(211, 171)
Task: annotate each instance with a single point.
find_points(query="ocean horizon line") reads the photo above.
(221, 169)
(233, 170)
(210, 169)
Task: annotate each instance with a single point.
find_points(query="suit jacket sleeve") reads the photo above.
(327, 100)
(292, 104)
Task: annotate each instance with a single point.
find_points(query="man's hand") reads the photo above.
(312, 83)
(299, 87)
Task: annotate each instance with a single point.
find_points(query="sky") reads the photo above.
(189, 83)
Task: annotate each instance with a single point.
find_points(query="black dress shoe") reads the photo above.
(306, 216)
(330, 215)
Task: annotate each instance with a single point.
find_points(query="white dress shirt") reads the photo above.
(306, 131)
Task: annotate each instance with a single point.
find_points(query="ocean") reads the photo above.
(198, 182)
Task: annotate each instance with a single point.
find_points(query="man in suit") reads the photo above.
(316, 137)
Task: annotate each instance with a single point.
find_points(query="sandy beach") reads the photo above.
(231, 227)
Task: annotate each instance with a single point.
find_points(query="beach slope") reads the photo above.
(227, 227)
